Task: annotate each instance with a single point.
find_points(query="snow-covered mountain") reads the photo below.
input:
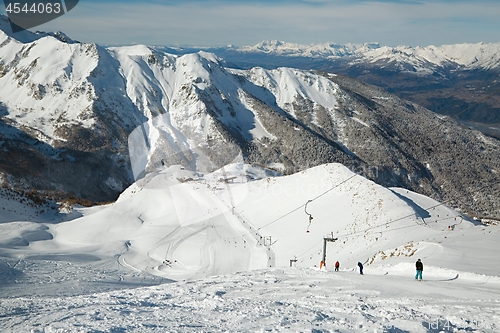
(467, 56)
(325, 50)
(195, 150)
(460, 80)
(89, 120)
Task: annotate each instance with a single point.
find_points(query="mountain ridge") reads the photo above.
(111, 115)
(459, 80)
(470, 56)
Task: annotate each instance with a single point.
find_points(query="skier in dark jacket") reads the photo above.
(337, 266)
(360, 265)
(420, 268)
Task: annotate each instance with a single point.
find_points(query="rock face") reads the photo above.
(88, 120)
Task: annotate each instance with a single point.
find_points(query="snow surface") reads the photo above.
(276, 300)
(184, 251)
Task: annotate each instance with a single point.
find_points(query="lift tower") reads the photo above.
(327, 239)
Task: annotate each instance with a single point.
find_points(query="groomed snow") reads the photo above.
(189, 252)
(275, 300)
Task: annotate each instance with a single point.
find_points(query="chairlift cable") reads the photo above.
(317, 197)
(409, 215)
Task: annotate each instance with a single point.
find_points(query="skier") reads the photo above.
(360, 265)
(420, 268)
(337, 266)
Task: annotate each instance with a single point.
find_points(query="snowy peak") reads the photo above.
(470, 56)
(479, 55)
(33, 77)
(312, 50)
(26, 36)
(448, 79)
(206, 105)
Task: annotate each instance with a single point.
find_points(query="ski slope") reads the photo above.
(276, 300)
(202, 226)
(215, 250)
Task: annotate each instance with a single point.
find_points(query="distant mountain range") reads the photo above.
(88, 120)
(465, 56)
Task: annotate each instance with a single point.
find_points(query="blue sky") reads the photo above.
(222, 22)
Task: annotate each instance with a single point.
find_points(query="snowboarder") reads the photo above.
(337, 266)
(360, 265)
(420, 268)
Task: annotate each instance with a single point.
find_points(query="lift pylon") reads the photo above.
(326, 239)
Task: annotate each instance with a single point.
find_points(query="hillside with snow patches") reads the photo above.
(235, 250)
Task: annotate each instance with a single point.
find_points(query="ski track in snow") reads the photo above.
(276, 300)
(145, 264)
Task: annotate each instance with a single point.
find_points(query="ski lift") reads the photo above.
(310, 216)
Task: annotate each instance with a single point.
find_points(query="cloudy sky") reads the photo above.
(248, 22)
